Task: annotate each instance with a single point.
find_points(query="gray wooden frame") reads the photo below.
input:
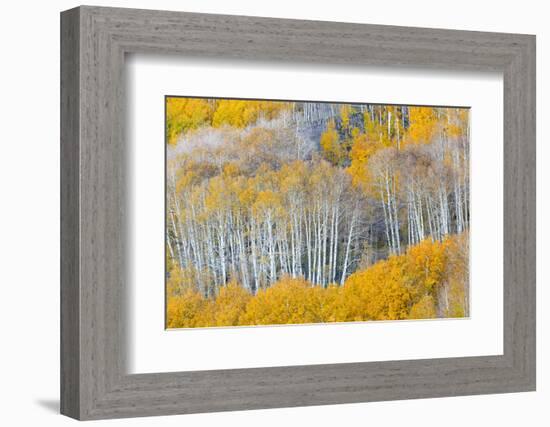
(94, 382)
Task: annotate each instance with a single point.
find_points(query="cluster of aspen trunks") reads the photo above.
(313, 190)
(427, 281)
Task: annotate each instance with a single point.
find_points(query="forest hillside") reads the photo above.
(328, 212)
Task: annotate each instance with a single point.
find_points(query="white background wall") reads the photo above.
(29, 212)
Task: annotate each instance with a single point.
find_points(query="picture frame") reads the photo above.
(94, 268)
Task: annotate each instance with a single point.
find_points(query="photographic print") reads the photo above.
(295, 212)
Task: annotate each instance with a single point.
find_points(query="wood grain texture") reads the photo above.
(95, 238)
(70, 297)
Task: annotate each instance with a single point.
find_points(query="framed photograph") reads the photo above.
(261, 213)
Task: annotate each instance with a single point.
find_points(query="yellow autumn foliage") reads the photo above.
(345, 111)
(377, 293)
(240, 113)
(186, 310)
(287, 301)
(183, 114)
(423, 125)
(186, 114)
(423, 309)
(429, 280)
(330, 144)
(361, 152)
